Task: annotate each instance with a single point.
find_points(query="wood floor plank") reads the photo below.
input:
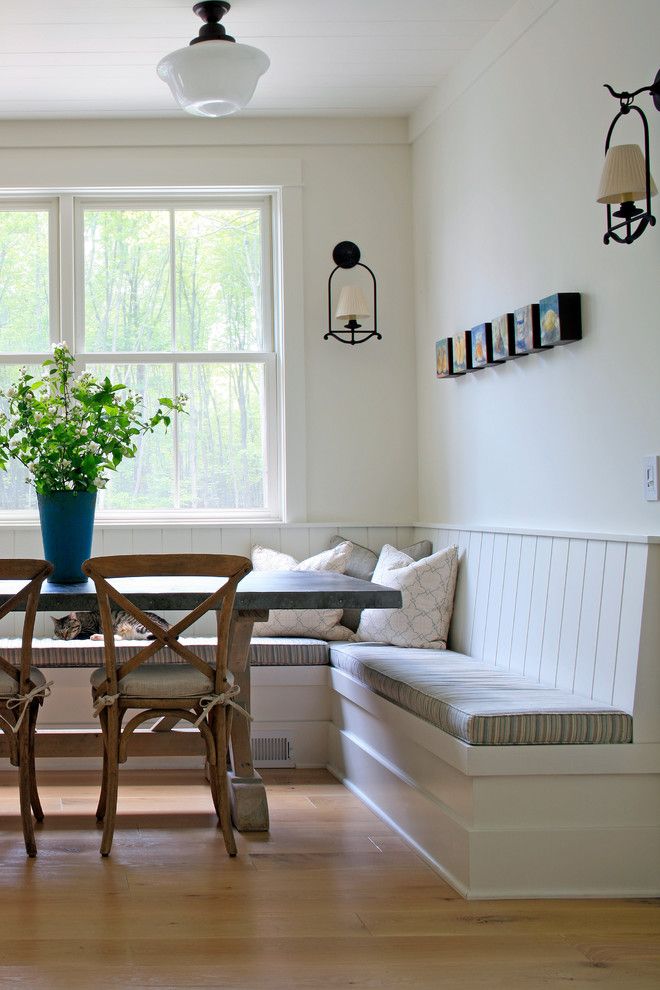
(329, 898)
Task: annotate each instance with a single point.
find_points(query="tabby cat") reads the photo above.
(87, 625)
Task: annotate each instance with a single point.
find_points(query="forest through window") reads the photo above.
(168, 298)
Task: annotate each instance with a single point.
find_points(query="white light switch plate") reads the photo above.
(651, 478)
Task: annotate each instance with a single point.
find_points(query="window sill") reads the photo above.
(187, 518)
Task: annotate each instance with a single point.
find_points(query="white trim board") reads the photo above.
(647, 538)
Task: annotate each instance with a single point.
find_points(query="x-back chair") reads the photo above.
(195, 691)
(23, 689)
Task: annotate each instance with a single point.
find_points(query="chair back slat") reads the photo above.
(34, 572)
(229, 568)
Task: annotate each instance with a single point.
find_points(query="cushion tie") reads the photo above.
(24, 699)
(104, 701)
(209, 701)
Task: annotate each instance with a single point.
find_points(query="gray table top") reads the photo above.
(258, 590)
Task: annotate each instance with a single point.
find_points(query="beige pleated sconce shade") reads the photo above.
(624, 175)
(351, 303)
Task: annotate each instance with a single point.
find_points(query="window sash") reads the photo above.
(261, 203)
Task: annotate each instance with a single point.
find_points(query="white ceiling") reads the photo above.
(78, 58)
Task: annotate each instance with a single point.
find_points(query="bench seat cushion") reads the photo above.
(479, 704)
(264, 652)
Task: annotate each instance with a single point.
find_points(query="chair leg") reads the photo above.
(100, 808)
(24, 788)
(34, 793)
(111, 780)
(213, 784)
(219, 772)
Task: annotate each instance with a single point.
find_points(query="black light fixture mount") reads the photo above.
(352, 303)
(212, 12)
(627, 173)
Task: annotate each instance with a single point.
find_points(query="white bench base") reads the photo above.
(566, 825)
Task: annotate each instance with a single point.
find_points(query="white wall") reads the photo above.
(504, 183)
(351, 411)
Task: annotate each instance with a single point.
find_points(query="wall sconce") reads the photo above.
(627, 173)
(352, 302)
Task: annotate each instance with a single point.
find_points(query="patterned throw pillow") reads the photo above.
(427, 587)
(362, 564)
(313, 623)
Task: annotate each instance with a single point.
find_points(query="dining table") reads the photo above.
(257, 594)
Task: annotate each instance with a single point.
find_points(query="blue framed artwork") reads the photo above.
(527, 331)
(459, 354)
(443, 357)
(503, 336)
(478, 354)
(560, 319)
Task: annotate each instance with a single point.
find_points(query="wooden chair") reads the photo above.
(22, 690)
(196, 691)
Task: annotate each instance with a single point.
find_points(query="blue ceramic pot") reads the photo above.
(67, 526)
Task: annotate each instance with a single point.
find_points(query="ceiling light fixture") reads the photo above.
(627, 173)
(214, 76)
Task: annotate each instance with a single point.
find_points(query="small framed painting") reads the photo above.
(560, 319)
(459, 354)
(478, 352)
(527, 335)
(502, 339)
(443, 357)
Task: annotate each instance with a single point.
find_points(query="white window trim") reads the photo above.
(285, 214)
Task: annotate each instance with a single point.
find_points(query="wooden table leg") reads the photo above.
(249, 805)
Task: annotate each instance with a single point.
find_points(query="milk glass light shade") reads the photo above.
(624, 175)
(352, 303)
(214, 78)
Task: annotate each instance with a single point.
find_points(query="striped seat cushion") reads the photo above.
(482, 705)
(276, 652)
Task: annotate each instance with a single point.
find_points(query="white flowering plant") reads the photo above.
(70, 430)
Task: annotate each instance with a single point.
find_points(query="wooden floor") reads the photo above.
(330, 898)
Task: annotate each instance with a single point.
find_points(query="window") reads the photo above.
(168, 296)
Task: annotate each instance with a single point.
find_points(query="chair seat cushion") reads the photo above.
(161, 680)
(276, 651)
(479, 704)
(9, 687)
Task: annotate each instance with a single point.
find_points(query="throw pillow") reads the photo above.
(361, 565)
(313, 623)
(427, 587)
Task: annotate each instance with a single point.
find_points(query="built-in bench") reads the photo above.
(526, 760)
